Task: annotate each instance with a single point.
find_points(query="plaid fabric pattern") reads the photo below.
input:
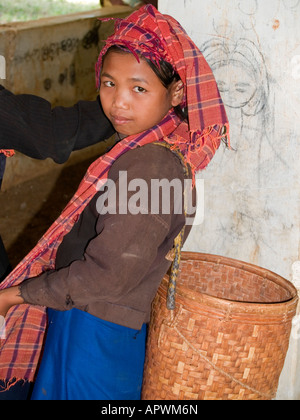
(162, 37)
(154, 36)
(7, 153)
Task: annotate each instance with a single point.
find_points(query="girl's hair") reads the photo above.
(165, 72)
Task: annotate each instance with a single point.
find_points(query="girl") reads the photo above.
(30, 126)
(99, 265)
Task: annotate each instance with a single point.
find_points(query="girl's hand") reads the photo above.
(8, 298)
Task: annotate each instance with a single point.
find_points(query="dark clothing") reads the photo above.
(30, 126)
(5, 267)
(4, 262)
(20, 391)
(2, 166)
(111, 265)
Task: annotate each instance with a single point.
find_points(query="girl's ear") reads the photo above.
(177, 92)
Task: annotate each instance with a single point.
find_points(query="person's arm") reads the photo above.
(116, 260)
(122, 252)
(114, 263)
(29, 125)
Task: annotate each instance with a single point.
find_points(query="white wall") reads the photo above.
(252, 193)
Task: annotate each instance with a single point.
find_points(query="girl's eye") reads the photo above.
(108, 83)
(139, 89)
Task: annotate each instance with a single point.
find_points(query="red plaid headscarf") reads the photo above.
(158, 37)
(150, 34)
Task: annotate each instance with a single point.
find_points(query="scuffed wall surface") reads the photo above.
(55, 57)
(252, 206)
(251, 191)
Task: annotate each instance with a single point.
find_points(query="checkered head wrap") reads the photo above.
(149, 34)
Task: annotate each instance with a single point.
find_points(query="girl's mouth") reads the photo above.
(119, 120)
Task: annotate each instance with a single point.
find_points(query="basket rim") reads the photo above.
(199, 298)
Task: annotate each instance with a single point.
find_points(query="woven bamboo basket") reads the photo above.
(228, 336)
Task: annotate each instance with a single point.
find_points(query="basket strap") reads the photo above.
(174, 271)
(178, 241)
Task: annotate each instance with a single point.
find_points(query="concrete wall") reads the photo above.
(252, 207)
(53, 58)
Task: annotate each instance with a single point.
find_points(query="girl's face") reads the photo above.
(132, 96)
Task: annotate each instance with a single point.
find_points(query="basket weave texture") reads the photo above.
(228, 337)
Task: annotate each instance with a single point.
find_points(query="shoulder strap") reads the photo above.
(175, 254)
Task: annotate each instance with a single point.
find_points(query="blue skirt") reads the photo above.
(86, 358)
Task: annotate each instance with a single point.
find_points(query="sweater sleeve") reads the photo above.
(107, 272)
(29, 125)
(116, 260)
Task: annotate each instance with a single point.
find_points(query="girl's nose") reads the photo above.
(121, 100)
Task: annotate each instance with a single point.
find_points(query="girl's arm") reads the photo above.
(127, 254)
(29, 125)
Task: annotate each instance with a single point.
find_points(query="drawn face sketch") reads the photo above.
(236, 83)
(242, 78)
(241, 74)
